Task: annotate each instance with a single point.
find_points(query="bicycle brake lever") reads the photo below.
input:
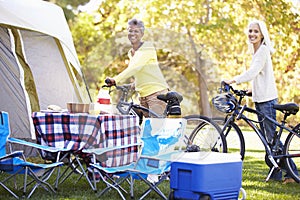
(225, 87)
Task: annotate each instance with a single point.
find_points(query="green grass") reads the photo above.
(254, 173)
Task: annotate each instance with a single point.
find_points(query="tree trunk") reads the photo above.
(203, 103)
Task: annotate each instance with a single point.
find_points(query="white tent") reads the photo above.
(38, 62)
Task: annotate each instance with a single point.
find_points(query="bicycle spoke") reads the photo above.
(292, 149)
(206, 134)
(234, 137)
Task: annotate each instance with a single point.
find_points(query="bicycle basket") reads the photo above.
(225, 102)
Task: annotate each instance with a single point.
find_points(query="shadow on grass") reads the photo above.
(255, 172)
(72, 189)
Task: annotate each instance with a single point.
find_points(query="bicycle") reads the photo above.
(202, 131)
(278, 156)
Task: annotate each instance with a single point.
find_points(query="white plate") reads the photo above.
(54, 111)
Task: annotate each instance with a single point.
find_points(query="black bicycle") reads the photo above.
(200, 131)
(278, 156)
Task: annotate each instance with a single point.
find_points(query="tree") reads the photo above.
(212, 33)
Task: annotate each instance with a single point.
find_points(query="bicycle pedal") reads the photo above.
(277, 169)
(192, 148)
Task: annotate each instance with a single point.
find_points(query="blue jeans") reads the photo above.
(269, 129)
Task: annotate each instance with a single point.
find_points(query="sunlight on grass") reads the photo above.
(254, 174)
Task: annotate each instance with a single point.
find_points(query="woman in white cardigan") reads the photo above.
(264, 91)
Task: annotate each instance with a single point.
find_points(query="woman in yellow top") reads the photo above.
(143, 66)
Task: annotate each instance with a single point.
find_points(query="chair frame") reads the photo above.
(49, 167)
(20, 165)
(130, 171)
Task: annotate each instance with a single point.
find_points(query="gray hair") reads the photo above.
(138, 23)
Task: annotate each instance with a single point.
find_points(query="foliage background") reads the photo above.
(199, 42)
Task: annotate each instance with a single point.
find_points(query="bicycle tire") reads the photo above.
(292, 148)
(205, 133)
(234, 137)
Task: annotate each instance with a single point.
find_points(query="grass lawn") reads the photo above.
(254, 173)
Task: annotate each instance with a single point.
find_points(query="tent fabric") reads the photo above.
(42, 17)
(11, 89)
(38, 62)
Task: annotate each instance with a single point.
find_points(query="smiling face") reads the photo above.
(135, 34)
(254, 34)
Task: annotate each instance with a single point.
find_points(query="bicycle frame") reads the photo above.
(125, 107)
(278, 154)
(238, 114)
(130, 109)
(204, 131)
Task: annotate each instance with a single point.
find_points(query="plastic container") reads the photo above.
(94, 109)
(78, 107)
(198, 174)
(104, 100)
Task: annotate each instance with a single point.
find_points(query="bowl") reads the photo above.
(78, 107)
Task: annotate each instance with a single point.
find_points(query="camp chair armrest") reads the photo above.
(43, 166)
(99, 151)
(34, 145)
(12, 155)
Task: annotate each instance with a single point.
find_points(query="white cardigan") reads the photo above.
(262, 76)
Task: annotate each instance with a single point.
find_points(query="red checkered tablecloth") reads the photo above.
(75, 132)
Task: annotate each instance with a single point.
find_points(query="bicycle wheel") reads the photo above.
(234, 137)
(292, 149)
(205, 133)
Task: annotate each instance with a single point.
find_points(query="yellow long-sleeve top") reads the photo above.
(145, 69)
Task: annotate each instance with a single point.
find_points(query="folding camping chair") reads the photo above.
(119, 152)
(15, 163)
(161, 144)
(70, 133)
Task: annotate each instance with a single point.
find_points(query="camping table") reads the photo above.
(75, 132)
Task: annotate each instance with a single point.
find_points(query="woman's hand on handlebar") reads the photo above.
(229, 81)
(110, 82)
(249, 92)
(226, 87)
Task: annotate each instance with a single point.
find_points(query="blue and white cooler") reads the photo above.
(217, 176)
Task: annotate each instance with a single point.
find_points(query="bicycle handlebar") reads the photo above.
(227, 88)
(123, 106)
(123, 88)
(241, 94)
(110, 81)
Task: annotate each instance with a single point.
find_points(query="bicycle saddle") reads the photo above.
(170, 97)
(173, 100)
(291, 108)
